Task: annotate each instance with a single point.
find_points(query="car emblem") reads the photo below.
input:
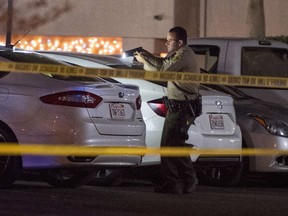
(219, 104)
(121, 94)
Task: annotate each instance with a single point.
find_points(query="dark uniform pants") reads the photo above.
(176, 170)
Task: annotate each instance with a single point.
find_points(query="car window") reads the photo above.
(30, 57)
(260, 61)
(231, 90)
(207, 57)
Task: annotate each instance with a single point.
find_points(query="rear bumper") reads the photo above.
(56, 162)
(85, 137)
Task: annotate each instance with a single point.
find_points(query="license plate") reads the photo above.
(216, 121)
(117, 110)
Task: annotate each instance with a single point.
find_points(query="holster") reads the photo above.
(171, 105)
(190, 109)
(195, 105)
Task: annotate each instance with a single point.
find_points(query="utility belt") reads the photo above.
(194, 106)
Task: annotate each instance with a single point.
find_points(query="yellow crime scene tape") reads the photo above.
(64, 150)
(220, 79)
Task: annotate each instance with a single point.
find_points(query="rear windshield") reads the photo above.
(260, 61)
(30, 57)
(26, 57)
(207, 57)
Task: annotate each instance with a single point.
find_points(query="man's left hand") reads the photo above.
(139, 56)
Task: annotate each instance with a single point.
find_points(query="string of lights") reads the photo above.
(93, 45)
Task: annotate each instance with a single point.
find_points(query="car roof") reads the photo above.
(237, 39)
(20, 55)
(108, 60)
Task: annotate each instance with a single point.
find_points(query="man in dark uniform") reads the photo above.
(178, 172)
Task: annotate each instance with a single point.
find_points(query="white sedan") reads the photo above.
(73, 111)
(203, 134)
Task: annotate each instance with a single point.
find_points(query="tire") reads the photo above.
(67, 179)
(10, 166)
(108, 177)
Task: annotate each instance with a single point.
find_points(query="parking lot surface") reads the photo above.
(36, 198)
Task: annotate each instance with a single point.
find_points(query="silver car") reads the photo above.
(63, 110)
(264, 125)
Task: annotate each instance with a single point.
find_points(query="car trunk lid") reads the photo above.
(218, 115)
(117, 114)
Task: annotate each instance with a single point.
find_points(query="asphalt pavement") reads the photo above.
(36, 198)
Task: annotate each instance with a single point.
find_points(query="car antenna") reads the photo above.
(12, 46)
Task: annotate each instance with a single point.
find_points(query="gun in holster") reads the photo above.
(170, 104)
(181, 131)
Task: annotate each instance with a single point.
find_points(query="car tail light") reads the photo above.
(138, 102)
(73, 98)
(158, 107)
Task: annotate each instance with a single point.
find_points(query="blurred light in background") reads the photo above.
(94, 45)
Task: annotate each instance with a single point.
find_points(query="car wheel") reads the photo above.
(221, 175)
(10, 166)
(67, 179)
(108, 177)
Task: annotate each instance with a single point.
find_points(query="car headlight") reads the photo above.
(273, 126)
